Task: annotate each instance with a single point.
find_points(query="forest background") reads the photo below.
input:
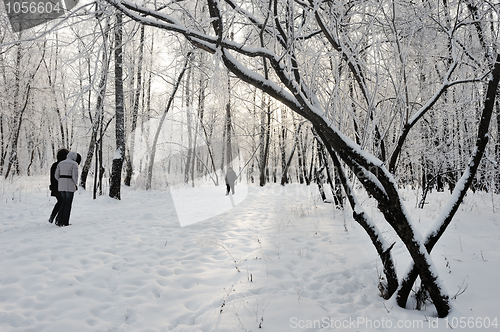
(403, 93)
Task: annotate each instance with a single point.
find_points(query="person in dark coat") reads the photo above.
(230, 180)
(54, 191)
(67, 177)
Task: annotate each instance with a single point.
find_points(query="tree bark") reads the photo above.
(3, 150)
(135, 111)
(265, 133)
(284, 177)
(98, 119)
(116, 168)
(282, 146)
(497, 149)
(189, 127)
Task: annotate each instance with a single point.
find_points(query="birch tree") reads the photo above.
(116, 170)
(135, 109)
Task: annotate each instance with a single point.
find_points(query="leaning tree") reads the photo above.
(364, 74)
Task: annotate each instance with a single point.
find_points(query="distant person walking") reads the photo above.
(230, 180)
(54, 190)
(67, 177)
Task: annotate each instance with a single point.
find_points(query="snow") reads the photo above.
(118, 154)
(198, 204)
(279, 260)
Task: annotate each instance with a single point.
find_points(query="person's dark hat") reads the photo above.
(62, 154)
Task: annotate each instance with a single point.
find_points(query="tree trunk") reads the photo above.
(2, 147)
(3, 143)
(116, 168)
(16, 125)
(307, 175)
(135, 111)
(190, 157)
(300, 161)
(282, 146)
(265, 128)
(284, 176)
(497, 149)
(318, 172)
(265, 133)
(162, 119)
(208, 138)
(336, 183)
(52, 83)
(98, 119)
(228, 126)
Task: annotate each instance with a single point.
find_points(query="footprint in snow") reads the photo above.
(130, 316)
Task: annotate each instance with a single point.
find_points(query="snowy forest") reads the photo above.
(347, 97)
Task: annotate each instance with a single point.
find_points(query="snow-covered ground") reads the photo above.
(280, 260)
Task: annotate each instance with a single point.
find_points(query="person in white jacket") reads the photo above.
(67, 177)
